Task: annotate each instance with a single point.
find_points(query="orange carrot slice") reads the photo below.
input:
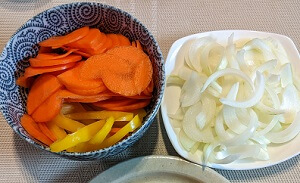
(59, 41)
(133, 43)
(72, 97)
(44, 128)
(43, 87)
(124, 70)
(34, 62)
(24, 81)
(124, 41)
(72, 79)
(33, 129)
(115, 40)
(143, 68)
(112, 103)
(83, 54)
(33, 71)
(48, 109)
(53, 56)
(92, 91)
(138, 104)
(91, 42)
(148, 91)
(45, 50)
(138, 45)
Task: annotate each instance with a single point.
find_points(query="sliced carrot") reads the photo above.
(72, 79)
(148, 91)
(91, 43)
(33, 71)
(83, 54)
(124, 41)
(142, 70)
(112, 103)
(124, 70)
(48, 109)
(54, 56)
(43, 87)
(92, 91)
(34, 62)
(72, 97)
(133, 43)
(24, 81)
(33, 129)
(115, 40)
(44, 128)
(59, 41)
(136, 105)
(45, 50)
(138, 45)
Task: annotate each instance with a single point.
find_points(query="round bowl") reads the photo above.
(61, 20)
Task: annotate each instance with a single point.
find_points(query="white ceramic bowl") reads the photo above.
(170, 103)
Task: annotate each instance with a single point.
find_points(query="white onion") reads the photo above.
(235, 102)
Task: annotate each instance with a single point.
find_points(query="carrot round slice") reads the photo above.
(72, 97)
(85, 55)
(24, 81)
(124, 41)
(45, 50)
(91, 43)
(59, 41)
(133, 43)
(138, 104)
(48, 109)
(92, 91)
(33, 129)
(34, 62)
(44, 128)
(53, 56)
(148, 91)
(138, 45)
(111, 103)
(33, 71)
(43, 87)
(115, 40)
(72, 79)
(143, 67)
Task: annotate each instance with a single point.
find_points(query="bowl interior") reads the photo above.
(61, 20)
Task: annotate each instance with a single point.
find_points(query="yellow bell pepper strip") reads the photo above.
(67, 124)
(129, 127)
(73, 108)
(141, 112)
(101, 135)
(82, 135)
(119, 116)
(57, 131)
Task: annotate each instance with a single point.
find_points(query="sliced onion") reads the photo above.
(208, 112)
(175, 80)
(287, 134)
(190, 93)
(190, 128)
(185, 141)
(207, 63)
(224, 72)
(252, 101)
(261, 46)
(195, 52)
(290, 103)
(286, 75)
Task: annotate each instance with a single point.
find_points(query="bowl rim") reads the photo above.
(148, 119)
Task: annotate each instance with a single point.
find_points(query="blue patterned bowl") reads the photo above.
(61, 20)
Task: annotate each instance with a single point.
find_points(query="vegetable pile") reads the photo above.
(87, 90)
(235, 100)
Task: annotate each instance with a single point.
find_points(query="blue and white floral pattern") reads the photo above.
(61, 20)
